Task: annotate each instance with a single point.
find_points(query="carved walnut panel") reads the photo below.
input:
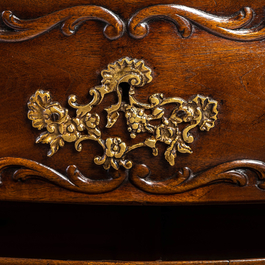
(182, 92)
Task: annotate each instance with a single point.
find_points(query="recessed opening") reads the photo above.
(125, 88)
(131, 233)
(181, 114)
(54, 117)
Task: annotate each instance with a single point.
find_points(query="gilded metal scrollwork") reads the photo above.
(60, 127)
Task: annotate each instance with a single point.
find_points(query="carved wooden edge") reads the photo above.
(19, 261)
(74, 179)
(70, 19)
(231, 27)
(182, 181)
(185, 180)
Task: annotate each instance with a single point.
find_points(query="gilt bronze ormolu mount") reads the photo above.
(199, 111)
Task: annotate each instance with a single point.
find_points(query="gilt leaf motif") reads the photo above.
(60, 127)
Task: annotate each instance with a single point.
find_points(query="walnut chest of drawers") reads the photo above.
(132, 103)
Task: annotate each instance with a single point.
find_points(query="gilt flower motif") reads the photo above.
(166, 133)
(184, 113)
(115, 147)
(92, 120)
(136, 120)
(113, 157)
(69, 132)
(151, 117)
(55, 113)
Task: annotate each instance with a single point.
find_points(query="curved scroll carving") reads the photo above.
(70, 19)
(232, 27)
(74, 179)
(184, 180)
(231, 172)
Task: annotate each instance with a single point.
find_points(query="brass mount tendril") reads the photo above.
(60, 127)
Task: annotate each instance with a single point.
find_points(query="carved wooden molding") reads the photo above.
(60, 127)
(185, 180)
(70, 19)
(74, 179)
(182, 181)
(233, 27)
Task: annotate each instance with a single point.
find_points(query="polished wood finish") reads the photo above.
(227, 164)
(232, 27)
(209, 48)
(10, 261)
(69, 18)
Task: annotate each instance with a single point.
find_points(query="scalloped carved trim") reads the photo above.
(185, 180)
(70, 19)
(231, 172)
(231, 27)
(74, 179)
(184, 18)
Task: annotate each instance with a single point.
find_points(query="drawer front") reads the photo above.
(148, 102)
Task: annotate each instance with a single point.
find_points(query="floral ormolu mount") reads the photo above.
(60, 127)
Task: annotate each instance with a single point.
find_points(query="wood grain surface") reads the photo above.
(231, 27)
(229, 71)
(70, 19)
(11, 261)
